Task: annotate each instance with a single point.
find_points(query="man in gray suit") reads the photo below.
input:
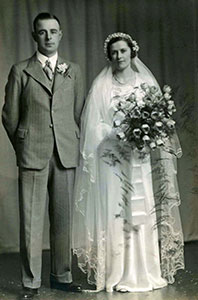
(43, 103)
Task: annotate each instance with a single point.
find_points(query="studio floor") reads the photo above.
(185, 287)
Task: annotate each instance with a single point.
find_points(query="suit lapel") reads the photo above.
(34, 69)
(60, 78)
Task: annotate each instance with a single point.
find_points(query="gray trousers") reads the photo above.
(33, 188)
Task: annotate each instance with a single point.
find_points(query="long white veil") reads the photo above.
(89, 217)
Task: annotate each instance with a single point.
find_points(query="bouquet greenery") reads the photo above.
(144, 119)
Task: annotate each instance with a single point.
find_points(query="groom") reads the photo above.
(43, 103)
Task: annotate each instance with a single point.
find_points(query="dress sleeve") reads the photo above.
(94, 128)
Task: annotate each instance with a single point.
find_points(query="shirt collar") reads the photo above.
(42, 58)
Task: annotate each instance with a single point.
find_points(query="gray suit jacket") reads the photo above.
(34, 115)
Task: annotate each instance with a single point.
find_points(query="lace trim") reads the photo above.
(172, 253)
(171, 237)
(172, 245)
(92, 261)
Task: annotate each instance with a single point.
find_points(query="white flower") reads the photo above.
(165, 120)
(170, 102)
(139, 93)
(131, 107)
(171, 124)
(159, 124)
(167, 96)
(154, 89)
(154, 115)
(122, 103)
(121, 135)
(145, 114)
(158, 95)
(152, 145)
(132, 97)
(141, 104)
(159, 142)
(146, 138)
(167, 89)
(144, 86)
(128, 105)
(163, 135)
(137, 132)
(62, 68)
(136, 113)
(117, 122)
(115, 102)
(124, 127)
(146, 128)
(120, 115)
(135, 46)
(171, 106)
(161, 113)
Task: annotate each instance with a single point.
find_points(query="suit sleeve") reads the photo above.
(79, 95)
(11, 107)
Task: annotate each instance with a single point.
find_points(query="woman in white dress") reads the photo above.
(126, 229)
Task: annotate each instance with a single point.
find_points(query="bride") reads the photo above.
(126, 227)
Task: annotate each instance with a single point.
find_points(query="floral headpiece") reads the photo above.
(121, 35)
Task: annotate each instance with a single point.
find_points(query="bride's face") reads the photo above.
(120, 55)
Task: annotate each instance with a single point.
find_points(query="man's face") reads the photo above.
(47, 35)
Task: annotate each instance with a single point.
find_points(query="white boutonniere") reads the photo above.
(62, 68)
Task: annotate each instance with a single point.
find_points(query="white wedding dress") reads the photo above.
(115, 235)
(132, 251)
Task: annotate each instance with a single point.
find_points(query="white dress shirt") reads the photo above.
(42, 58)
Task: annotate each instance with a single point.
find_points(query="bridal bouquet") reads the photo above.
(144, 119)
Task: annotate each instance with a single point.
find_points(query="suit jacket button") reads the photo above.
(51, 125)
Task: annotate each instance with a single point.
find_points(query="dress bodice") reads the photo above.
(122, 92)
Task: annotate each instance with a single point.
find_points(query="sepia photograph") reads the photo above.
(99, 150)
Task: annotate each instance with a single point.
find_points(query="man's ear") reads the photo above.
(60, 34)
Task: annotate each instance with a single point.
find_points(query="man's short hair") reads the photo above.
(44, 16)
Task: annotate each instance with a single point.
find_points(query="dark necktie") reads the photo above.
(48, 70)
